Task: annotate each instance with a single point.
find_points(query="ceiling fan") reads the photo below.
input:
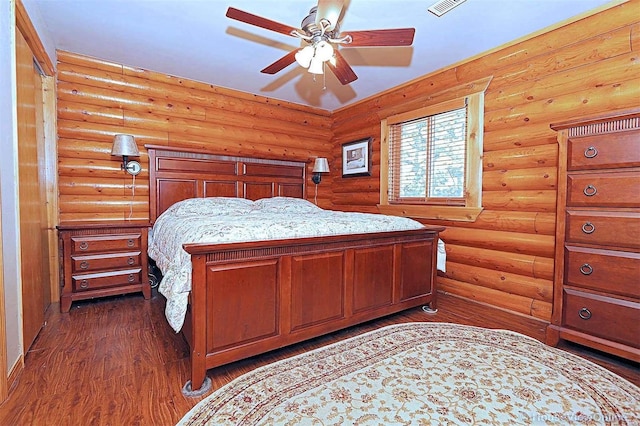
(321, 31)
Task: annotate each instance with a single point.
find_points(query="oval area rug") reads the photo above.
(425, 374)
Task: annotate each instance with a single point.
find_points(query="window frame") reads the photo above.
(473, 95)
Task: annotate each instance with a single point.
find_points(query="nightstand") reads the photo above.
(100, 259)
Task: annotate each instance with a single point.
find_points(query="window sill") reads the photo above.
(460, 214)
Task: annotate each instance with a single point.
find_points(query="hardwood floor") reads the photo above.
(116, 361)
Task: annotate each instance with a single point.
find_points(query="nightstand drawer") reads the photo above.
(612, 271)
(606, 317)
(105, 243)
(87, 282)
(110, 261)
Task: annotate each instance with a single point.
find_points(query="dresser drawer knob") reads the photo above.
(130, 242)
(588, 228)
(84, 245)
(590, 191)
(590, 152)
(84, 284)
(586, 269)
(584, 313)
(84, 265)
(131, 278)
(131, 261)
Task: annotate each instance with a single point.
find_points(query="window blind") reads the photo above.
(427, 158)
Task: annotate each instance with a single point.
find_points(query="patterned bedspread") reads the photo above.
(227, 220)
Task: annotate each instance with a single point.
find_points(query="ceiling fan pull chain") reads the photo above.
(324, 77)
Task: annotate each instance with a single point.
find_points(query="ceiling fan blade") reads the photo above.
(259, 21)
(390, 37)
(342, 69)
(329, 10)
(281, 63)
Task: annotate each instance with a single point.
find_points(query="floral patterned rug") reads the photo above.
(425, 374)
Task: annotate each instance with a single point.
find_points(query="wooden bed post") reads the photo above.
(198, 333)
(433, 305)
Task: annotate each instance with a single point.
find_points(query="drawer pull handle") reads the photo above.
(588, 228)
(131, 278)
(586, 269)
(130, 242)
(84, 284)
(584, 313)
(590, 152)
(590, 191)
(131, 261)
(84, 245)
(84, 265)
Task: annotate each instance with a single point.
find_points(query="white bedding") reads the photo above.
(226, 220)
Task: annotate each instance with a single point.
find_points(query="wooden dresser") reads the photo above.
(597, 260)
(102, 259)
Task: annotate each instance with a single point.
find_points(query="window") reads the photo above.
(427, 159)
(431, 159)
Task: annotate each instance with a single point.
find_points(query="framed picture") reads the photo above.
(356, 158)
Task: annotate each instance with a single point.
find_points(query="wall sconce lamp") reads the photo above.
(125, 146)
(320, 166)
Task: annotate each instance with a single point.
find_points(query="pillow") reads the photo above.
(211, 206)
(284, 205)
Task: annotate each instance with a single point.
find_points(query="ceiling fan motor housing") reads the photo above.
(310, 19)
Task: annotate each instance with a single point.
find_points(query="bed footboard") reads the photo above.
(250, 298)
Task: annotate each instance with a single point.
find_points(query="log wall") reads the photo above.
(97, 99)
(505, 258)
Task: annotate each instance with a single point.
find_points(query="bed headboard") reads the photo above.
(176, 174)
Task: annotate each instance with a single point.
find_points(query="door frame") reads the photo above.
(21, 22)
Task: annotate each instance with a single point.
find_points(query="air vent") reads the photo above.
(443, 6)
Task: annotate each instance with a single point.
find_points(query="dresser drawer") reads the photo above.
(610, 271)
(109, 261)
(606, 317)
(604, 189)
(619, 229)
(103, 243)
(85, 282)
(597, 152)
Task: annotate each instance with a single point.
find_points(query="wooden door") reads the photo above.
(31, 190)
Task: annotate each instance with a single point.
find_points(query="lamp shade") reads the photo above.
(124, 145)
(321, 166)
(316, 66)
(303, 57)
(324, 51)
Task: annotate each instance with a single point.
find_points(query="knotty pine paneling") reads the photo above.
(505, 258)
(97, 99)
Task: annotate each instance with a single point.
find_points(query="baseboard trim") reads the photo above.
(515, 321)
(14, 374)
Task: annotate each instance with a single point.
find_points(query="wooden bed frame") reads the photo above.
(250, 298)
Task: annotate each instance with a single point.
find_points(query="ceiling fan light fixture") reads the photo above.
(324, 51)
(316, 66)
(304, 56)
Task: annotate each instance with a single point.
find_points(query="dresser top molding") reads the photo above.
(614, 121)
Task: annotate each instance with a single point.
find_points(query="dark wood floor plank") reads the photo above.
(116, 361)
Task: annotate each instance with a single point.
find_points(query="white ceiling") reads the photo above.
(194, 39)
